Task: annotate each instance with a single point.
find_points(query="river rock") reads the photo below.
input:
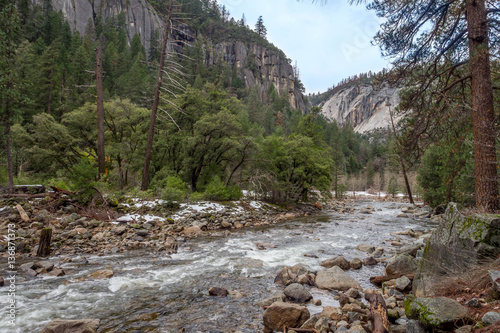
(410, 250)
(356, 263)
(216, 291)
(2, 282)
(56, 272)
(192, 231)
(309, 324)
(495, 280)
(47, 266)
(337, 261)
(73, 326)
(119, 230)
(280, 315)
(322, 325)
(491, 317)
(300, 269)
(435, 313)
(268, 301)
(402, 283)
(102, 274)
(335, 279)
(142, 232)
(379, 251)
(401, 264)
(297, 293)
(354, 293)
(332, 312)
(366, 248)
(43, 216)
(414, 326)
(285, 277)
(306, 279)
(370, 261)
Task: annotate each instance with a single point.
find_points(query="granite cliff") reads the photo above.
(362, 106)
(268, 66)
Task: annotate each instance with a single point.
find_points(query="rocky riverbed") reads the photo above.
(155, 289)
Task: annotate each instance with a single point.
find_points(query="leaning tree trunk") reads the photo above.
(483, 116)
(100, 112)
(149, 146)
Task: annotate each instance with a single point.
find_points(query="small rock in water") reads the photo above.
(2, 282)
(216, 291)
(102, 274)
(285, 277)
(297, 293)
(370, 261)
(56, 272)
(281, 315)
(73, 326)
(356, 263)
(316, 302)
(366, 248)
(337, 261)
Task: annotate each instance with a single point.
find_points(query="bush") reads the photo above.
(83, 180)
(196, 196)
(175, 189)
(218, 191)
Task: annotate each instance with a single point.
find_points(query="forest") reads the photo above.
(214, 137)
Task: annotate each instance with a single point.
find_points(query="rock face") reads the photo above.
(456, 246)
(362, 107)
(336, 279)
(280, 315)
(73, 326)
(439, 312)
(140, 17)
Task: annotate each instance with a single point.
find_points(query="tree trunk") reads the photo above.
(483, 116)
(44, 245)
(149, 146)
(100, 113)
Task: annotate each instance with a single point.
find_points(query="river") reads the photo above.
(153, 292)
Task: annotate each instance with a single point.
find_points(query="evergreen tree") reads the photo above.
(260, 28)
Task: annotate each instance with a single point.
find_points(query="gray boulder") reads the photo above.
(491, 318)
(337, 261)
(336, 279)
(72, 326)
(285, 277)
(414, 326)
(456, 247)
(401, 264)
(280, 315)
(402, 283)
(435, 313)
(297, 293)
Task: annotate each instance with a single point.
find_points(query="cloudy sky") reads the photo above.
(329, 41)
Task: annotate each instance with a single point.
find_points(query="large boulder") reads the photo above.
(337, 261)
(435, 313)
(456, 247)
(280, 315)
(335, 279)
(72, 326)
(297, 293)
(401, 264)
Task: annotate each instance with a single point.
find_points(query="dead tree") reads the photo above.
(100, 112)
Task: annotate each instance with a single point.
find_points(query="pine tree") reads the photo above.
(260, 28)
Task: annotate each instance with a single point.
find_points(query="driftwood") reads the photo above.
(44, 244)
(378, 280)
(378, 313)
(23, 214)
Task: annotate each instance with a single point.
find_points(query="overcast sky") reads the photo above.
(329, 41)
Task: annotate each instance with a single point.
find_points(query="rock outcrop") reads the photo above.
(140, 17)
(457, 246)
(361, 106)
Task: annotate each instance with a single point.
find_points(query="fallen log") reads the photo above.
(23, 214)
(378, 313)
(29, 196)
(378, 280)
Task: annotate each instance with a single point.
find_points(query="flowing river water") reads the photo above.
(155, 292)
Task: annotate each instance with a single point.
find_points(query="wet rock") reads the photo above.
(370, 261)
(337, 261)
(332, 312)
(402, 283)
(402, 215)
(401, 264)
(73, 326)
(102, 274)
(335, 279)
(264, 246)
(45, 265)
(2, 282)
(379, 251)
(56, 272)
(439, 312)
(310, 323)
(316, 302)
(491, 318)
(280, 315)
(366, 248)
(354, 293)
(297, 293)
(356, 263)
(268, 301)
(27, 266)
(216, 291)
(300, 269)
(306, 279)
(285, 277)
(473, 303)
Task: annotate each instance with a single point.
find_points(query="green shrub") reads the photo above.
(172, 194)
(83, 180)
(196, 196)
(218, 191)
